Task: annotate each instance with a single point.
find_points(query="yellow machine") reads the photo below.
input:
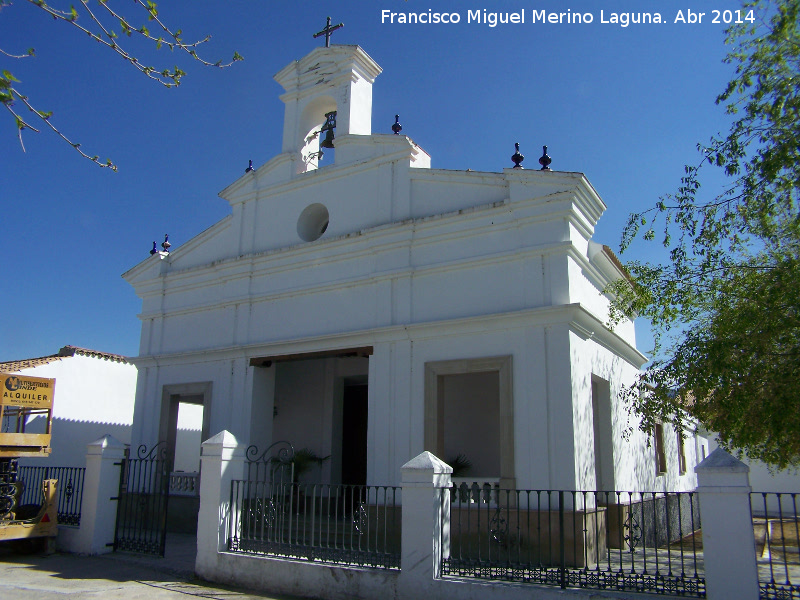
(21, 399)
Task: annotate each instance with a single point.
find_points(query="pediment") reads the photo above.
(274, 172)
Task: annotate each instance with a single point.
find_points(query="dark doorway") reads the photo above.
(354, 435)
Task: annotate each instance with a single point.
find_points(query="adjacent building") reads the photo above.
(94, 396)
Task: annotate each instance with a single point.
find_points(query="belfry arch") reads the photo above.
(338, 79)
(312, 119)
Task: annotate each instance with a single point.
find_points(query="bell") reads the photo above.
(328, 141)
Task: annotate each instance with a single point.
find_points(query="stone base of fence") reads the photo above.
(314, 580)
(300, 578)
(68, 539)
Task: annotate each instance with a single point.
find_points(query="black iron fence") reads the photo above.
(639, 542)
(142, 501)
(777, 535)
(69, 489)
(271, 514)
(340, 524)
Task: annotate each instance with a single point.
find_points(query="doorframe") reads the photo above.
(170, 399)
(434, 405)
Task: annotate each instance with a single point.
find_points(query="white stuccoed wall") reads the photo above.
(764, 478)
(93, 397)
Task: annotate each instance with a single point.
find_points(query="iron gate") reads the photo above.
(142, 501)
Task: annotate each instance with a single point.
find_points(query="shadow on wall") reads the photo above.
(630, 459)
(70, 438)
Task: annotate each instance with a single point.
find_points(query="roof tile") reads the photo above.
(28, 363)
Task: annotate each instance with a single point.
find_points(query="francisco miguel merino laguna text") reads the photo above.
(492, 19)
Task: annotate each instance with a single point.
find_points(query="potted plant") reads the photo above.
(304, 459)
(461, 466)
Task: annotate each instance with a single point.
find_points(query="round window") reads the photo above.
(313, 222)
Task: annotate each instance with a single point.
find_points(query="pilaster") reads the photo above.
(728, 540)
(222, 461)
(426, 523)
(100, 485)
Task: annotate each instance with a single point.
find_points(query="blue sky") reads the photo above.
(624, 105)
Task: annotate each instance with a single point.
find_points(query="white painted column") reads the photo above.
(425, 535)
(728, 540)
(100, 484)
(222, 460)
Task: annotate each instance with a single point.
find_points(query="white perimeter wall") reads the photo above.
(762, 479)
(93, 397)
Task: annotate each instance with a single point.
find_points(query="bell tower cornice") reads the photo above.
(336, 79)
(327, 66)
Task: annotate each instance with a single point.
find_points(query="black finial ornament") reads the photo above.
(517, 158)
(154, 250)
(545, 160)
(327, 31)
(165, 244)
(249, 167)
(397, 128)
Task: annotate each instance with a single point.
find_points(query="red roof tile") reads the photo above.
(28, 363)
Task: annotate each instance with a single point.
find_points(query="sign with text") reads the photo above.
(28, 392)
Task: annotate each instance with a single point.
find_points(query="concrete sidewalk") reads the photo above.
(115, 576)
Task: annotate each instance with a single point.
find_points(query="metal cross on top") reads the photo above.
(328, 31)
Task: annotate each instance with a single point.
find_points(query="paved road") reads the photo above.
(108, 577)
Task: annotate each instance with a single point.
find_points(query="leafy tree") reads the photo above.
(97, 24)
(725, 306)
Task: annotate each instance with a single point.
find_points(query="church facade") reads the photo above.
(375, 307)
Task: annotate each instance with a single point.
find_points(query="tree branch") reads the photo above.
(106, 37)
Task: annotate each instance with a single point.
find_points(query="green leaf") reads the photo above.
(723, 301)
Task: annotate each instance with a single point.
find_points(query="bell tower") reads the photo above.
(336, 79)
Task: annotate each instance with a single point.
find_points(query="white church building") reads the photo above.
(367, 307)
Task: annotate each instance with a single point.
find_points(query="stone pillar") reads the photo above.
(425, 530)
(728, 542)
(222, 460)
(100, 484)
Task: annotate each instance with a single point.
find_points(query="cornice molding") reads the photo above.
(575, 316)
(419, 231)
